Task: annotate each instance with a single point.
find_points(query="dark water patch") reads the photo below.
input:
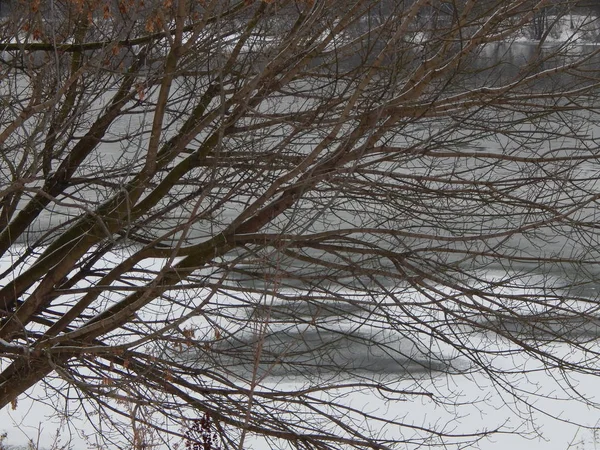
(314, 352)
(548, 327)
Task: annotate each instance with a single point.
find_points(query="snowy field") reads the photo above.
(483, 405)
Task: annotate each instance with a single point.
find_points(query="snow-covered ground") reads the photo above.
(485, 405)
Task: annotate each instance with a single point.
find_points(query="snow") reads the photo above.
(568, 29)
(486, 406)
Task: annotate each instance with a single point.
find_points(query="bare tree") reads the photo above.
(227, 222)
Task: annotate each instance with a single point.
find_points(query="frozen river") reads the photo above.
(552, 257)
(477, 403)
